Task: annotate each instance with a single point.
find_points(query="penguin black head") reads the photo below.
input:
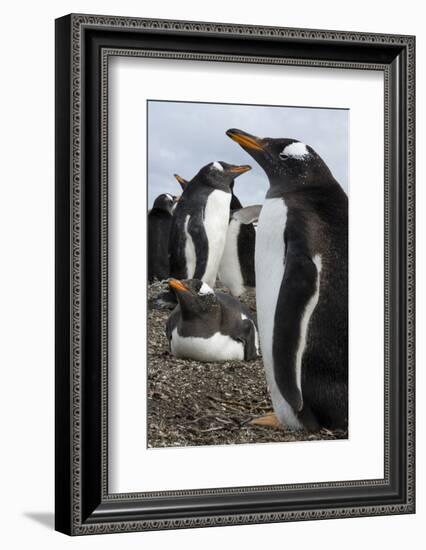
(194, 296)
(221, 175)
(165, 202)
(288, 163)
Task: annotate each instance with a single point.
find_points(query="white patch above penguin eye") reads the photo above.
(295, 150)
(170, 197)
(205, 289)
(218, 166)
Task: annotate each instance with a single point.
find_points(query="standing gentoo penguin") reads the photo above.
(236, 269)
(209, 326)
(301, 263)
(159, 222)
(200, 223)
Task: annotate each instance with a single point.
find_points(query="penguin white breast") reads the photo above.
(218, 347)
(269, 266)
(230, 268)
(216, 218)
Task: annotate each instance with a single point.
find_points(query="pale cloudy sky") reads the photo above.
(183, 137)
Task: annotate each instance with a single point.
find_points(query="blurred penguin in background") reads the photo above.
(159, 223)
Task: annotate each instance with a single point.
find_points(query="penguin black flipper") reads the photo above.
(201, 244)
(297, 293)
(171, 323)
(248, 339)
(178, 268)
(246, 242)
(240, 324)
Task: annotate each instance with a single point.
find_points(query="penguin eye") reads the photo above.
(283, 156)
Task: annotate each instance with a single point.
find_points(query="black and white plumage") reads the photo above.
(210, 326)
(301, 261)
(200, 222)
(236, 269)
(235, 202)
(159, 223)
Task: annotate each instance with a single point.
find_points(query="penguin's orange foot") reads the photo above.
(269, 420)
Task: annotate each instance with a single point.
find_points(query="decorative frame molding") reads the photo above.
(84, 43)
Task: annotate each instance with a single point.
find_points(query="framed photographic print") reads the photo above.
(234, 274)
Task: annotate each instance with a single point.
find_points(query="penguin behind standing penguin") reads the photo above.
(301, 263)
(200, 223)
(209, 326)
(159, 223)
(236, 269)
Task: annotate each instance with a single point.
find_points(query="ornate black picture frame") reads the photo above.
(83, 45)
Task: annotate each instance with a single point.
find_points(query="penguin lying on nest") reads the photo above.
(301, 262)
(210, 326)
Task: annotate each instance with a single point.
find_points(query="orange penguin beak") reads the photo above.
(183, 182)
(240, 169)
(178, 285)
(245, 140)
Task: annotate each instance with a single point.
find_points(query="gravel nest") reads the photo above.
(192, 403)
